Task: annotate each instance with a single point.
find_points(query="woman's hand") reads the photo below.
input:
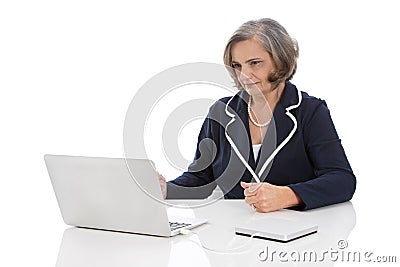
(163, 185)
(265, 197)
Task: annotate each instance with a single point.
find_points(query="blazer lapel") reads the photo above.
(279, 129)
(239, 130)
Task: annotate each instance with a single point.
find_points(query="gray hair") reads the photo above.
(274, 38)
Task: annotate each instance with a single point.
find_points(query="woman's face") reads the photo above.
(253, 64)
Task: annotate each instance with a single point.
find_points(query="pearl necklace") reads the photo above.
(253, 120)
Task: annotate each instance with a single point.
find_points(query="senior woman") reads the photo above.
(272, 145)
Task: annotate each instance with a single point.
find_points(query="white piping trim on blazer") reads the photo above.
(281, 145)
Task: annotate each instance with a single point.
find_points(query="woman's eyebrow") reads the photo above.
(247, 61)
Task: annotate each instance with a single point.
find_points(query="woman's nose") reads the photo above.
(245, 75)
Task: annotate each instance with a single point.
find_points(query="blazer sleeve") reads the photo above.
(335, 181)
(198, 181)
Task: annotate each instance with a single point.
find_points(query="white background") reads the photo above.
(69, 69)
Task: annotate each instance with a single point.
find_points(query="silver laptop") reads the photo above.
(101, 193)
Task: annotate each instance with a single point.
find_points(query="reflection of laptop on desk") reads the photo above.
(101, 193)
(84, 248)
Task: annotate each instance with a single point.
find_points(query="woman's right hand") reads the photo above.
(163, 185)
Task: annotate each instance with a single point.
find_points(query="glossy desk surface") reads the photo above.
(86, 247)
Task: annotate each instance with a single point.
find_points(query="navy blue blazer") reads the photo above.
(312, 163)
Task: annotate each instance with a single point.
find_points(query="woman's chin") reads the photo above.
(255, 92)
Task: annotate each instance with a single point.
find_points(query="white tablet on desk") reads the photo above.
(276, 229)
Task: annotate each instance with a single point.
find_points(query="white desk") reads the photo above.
(84, 247)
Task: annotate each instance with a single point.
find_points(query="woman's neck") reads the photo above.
(271, 97)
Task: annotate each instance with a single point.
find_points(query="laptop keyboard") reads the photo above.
(177, 225)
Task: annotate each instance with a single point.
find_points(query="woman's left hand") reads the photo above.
(265, 197)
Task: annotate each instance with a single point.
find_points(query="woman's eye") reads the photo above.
(235, 66)
(255, 63)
